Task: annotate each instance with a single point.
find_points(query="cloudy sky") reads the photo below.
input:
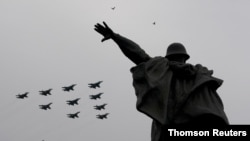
(52, 43)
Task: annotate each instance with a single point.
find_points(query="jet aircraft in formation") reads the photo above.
(96, 96)
(22, 96)
(100, 107)
(45, 92)
(73, 102)
(102, 116)
(69, 88)
(75, 115)
(45, 107)
(95, 85)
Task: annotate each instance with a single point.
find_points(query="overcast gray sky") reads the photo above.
(52, 43)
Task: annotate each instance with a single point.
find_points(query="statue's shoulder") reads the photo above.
(153, 62)
(203, 70)
(158, 59)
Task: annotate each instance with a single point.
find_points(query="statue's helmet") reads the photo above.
(176, 49)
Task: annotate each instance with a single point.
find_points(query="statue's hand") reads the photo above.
(104, 30)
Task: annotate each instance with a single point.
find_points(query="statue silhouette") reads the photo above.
(169, 90)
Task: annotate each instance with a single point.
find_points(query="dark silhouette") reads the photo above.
(100, 107)
(154, 23)
(73, 102)
(69, 88)
(99, 116)
(96, 96)
(95, 85)
(22, 96)
(169, 90)
(45, 107)
(113, 8)
(45, 92)
(75, 115)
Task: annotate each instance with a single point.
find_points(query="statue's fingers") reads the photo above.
(105, 25)
(100, 32)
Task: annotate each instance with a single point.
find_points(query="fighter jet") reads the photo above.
(100, 107)
(73, 102)
(45, 92)
(22, 96)
(95, 85)
(45, 107)
(96, 96)
(102, 116)
(75, 115)
(68, 88)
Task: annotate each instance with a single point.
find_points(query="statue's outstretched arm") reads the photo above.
(128, 47)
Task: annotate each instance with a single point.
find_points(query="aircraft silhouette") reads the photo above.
(22, 96)
(75, 115)
(113, 8)
(95, 85)
(68, 88)
(100, 107)
(102, 116)
(73, 102)
(45, 107)
(96, 96)
(45, 92)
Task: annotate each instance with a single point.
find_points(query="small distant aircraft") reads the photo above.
(22, 96)
(45, 92)
(113, 8)
(96, 96)
(102, 116)
(73, 102)
(68, 88)
(75, 115)
(45, 107)
(154, 23)
(95, 85)
(100, 107)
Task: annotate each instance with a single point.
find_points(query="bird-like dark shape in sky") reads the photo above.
(45, 107)
(102, 116)
(45, 92)
(100, 107)
(69, 88)
(75, 115)
(73, 102)
(95, 85)
(96, 96)
(113, 8)
(22, 96)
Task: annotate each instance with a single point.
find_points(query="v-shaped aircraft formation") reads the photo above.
(72, 102)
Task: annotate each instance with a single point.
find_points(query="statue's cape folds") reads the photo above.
(155, 83)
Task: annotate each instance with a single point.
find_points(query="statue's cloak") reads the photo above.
(171, 92)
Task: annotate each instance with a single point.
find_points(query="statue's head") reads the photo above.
(177, 52)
